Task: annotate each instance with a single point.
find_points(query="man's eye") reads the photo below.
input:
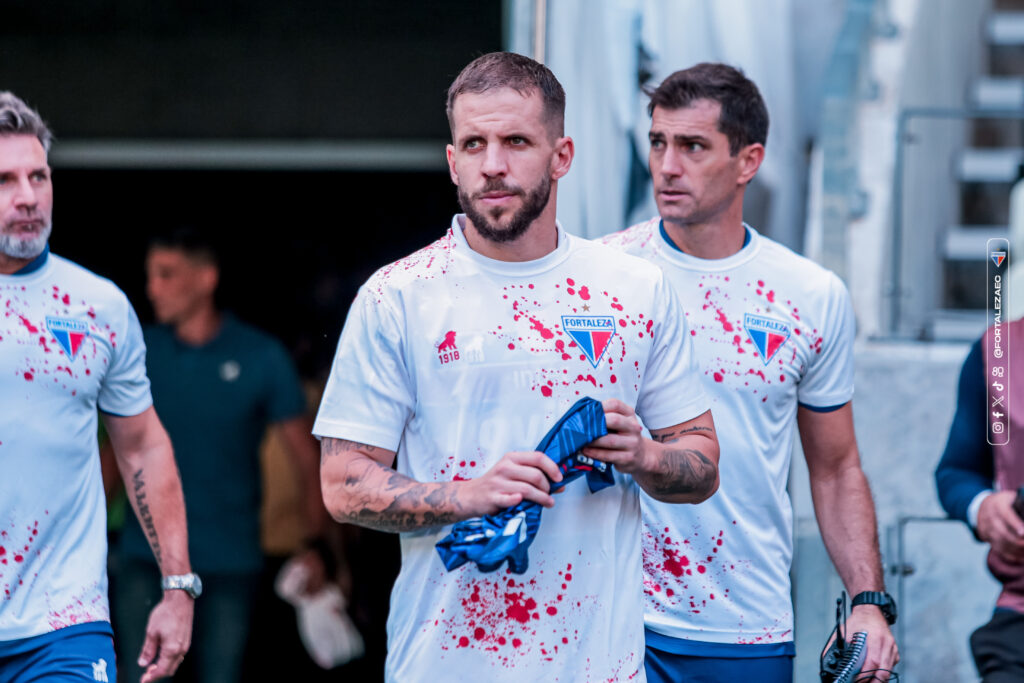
(472, 144)
(695, 147)
(516, 140)
(657, 144)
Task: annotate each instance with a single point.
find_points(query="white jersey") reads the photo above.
(771, 329)
(69, 343)
(453, 359)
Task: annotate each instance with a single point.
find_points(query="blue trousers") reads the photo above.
(667, 667)
(65, 656)
(220, 630)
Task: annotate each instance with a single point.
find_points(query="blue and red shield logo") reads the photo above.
(767, 334)
(998, 257)
(69, 334)
(592, 333)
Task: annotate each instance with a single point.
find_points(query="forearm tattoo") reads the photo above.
(686, 471)
(145, 516)
(378, 497)
(670, 437)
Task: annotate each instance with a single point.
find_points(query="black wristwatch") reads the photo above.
(882, 600)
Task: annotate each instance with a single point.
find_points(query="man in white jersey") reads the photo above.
(773, 335)
(70, 343)
(456, 360)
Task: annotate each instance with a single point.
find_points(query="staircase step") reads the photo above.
(958, 324)
(990, 165)
(969, 242)
(998, 93)
(1005, 28)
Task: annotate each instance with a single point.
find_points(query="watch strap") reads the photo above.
(880, 599)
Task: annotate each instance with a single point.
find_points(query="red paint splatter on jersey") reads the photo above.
(67, 300)
(29, 376)
(584, 293)
(28, 324)
(759, 373)
(545, 390)
(544, 332)
(719, 377)
(771, 296)
(726, 325)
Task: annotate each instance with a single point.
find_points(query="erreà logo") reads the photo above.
(998, 257)
(767, 334)
(591, 333)
(69, 334)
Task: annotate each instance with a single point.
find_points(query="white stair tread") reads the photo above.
(995, 165)
(998, 93)
(969, 242)
(1006, 28)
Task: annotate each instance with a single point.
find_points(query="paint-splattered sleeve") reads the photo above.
(670, 392)
(125, 389)
(369, 396)
(829, 378)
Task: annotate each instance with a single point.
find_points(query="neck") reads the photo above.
(10, 265)
(715, 239)
(539, 240)
(199, 327)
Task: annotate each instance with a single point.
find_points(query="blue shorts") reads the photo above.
(76, 654)
(667, 667)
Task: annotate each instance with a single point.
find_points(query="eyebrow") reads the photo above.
(679, 139)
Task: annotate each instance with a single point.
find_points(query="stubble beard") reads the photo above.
(15, 246)
(534, 203)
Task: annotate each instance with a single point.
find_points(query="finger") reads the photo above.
(536, 495)
(149, 648)
(622, 423)
(612, 442)
(540, 461)
(614, 406)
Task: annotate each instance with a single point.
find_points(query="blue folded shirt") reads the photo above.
(490, 540)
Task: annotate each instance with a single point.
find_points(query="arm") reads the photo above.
(846, 516)
(146, 462)
(360, 487)
(966, 468)
(677, 465)
(302, 448)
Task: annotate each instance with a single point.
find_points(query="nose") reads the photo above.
(671, 164)
(26, 194)
(495, 161)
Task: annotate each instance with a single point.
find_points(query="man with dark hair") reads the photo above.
(773, 334)
(70, 343)
(456, 360)
(218, 384)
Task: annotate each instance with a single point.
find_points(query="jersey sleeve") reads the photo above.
(285, 398)
(671, 392)
(125, 388)
(829, 379)
(369, 396)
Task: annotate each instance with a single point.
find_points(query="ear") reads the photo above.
(450, 153)
(209, 278)
(750, 158)
(562, 158)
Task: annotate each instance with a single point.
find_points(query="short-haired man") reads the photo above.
(455, 361)
(773, 334)
(70, 343)
(219, 384)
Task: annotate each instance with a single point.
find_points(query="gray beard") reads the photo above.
(17, 247)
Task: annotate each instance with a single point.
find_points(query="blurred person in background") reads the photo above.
(219, 384)
(983, 486)
(70, 344)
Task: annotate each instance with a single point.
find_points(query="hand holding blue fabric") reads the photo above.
(490, 540)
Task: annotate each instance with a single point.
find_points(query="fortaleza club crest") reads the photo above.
(998, 257)
(592, 333)
(767, 334)
(68, 333)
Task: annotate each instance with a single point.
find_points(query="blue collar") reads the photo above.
(36, 263)
(664, 234)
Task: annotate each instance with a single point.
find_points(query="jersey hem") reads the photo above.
(18, 646)
(701, 648)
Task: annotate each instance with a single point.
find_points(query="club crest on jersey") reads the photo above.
(998, 257)
(767, 334)
(447, 351)
(592, 333)
(68, 333)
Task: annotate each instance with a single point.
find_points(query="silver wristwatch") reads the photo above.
(190, 583)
